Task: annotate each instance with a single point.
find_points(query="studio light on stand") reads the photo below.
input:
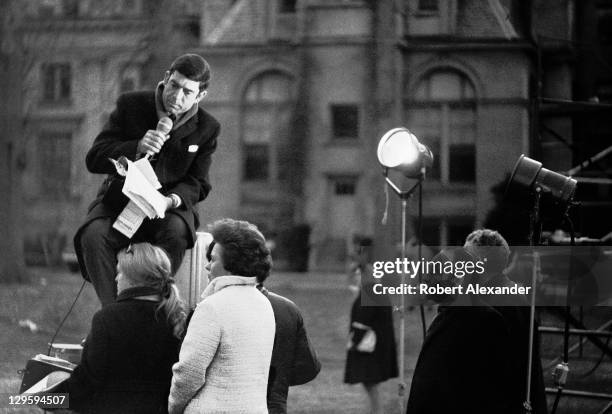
(548, 190)
(400, 150)
(550, 194)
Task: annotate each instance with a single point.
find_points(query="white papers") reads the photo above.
(58, 362)
(140, 187)
(144, 166)
(129, 220)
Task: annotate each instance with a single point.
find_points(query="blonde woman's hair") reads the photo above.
(146, 265)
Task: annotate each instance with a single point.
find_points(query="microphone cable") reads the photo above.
(66, 317)
(64, 320)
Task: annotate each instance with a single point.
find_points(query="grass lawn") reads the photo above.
(325, 303)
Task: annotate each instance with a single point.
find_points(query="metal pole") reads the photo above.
(420, 233)
(580, 332)
(534, 274)
(404, 195)
(581, 394)
(402, 361)
(533, 227)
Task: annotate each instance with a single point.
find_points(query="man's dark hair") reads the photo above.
(244, 248)
(193, 67)
(489, 244)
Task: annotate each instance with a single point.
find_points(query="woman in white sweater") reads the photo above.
(225, 357)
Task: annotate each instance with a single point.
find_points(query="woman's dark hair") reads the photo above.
(193, 67)
(244, 250)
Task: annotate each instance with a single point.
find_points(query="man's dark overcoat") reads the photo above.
(471, 362)
(181, 166)
(294, 360)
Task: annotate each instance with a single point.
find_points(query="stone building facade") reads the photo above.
(304, 89)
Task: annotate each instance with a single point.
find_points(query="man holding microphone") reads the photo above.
(167, 126)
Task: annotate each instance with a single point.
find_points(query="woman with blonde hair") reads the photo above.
(127, 360)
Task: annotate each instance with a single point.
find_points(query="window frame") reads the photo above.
(258, 82)
(427, 11)
(344, 185)
(131, 73)
(283, 9)
(466, 100)
(443, 226)
(56, 73)
(55, 186)
(333, 108)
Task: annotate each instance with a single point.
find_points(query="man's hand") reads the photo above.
(152, 142)
(172, 201)
(169, 203)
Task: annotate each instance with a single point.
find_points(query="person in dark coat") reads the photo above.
(181, 160)
(294, 360)
(369, 367)
(474, 357)
(463, 364)
(126, 366)
(516, 314)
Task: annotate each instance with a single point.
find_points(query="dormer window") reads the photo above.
(428, 6)
(287, 6)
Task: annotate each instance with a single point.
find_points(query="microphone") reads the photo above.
(164, 125)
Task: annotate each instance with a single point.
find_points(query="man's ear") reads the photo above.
(166, 77)
(201, 95)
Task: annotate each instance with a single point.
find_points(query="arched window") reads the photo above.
(442, 113)
(266, 110)
(129, 79)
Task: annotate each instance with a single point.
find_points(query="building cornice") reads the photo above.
(279, 46)
(101, 24)
(83, 25)
(41, 116)
(495, 101)
(435, 44)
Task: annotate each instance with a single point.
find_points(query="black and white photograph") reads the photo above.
(306, 206)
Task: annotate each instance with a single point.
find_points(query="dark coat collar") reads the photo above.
(187, 128)
(133, 292)
(262, 289)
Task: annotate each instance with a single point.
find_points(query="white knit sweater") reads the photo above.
(225, 357)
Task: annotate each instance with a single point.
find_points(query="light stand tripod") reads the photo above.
(530, 181)
(561, 370)
(401, 151)
(404, 196)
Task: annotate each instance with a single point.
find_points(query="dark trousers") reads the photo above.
(100, 243)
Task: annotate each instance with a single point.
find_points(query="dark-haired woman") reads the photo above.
(225, 357)
(127, 359)
(370, 363)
